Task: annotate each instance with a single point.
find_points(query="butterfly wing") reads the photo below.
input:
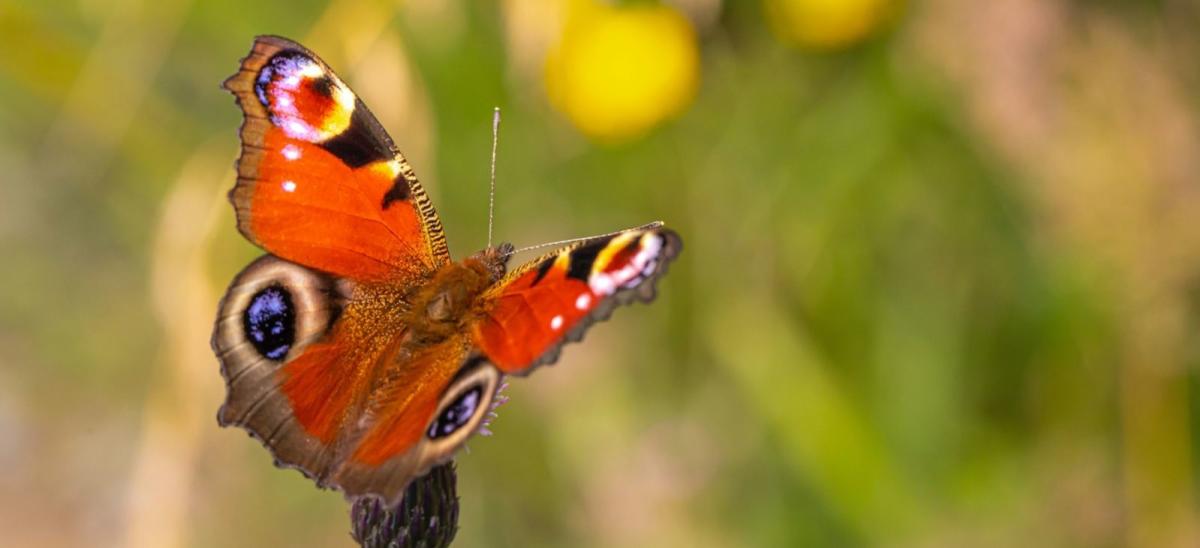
(533, 311)
(320, 183)
(525, 318)
(311, 339)
(419, 418)
(326, 383)
(286, 363)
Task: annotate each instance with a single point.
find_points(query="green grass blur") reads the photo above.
(940, 285)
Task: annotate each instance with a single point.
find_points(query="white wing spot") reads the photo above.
(556, 322)
(289, 186)
(582, 301)
(344, 98)
(291, 152)
(299, 130)
(309, 69)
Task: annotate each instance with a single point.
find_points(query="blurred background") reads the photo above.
(940, 287)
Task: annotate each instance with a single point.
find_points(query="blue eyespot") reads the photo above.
(282, 65)
(457, 414)
(270, 322)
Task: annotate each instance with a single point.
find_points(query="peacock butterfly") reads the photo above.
(356, 350)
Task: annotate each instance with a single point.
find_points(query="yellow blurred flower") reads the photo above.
(827, 24)
(619, 71)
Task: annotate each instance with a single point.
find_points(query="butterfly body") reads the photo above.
(451, 299)
(356, 350)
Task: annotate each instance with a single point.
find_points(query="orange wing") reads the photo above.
(554, 299)
(421, 415)
(319, 181)
(293, 371)
(317, 373)
(312, 338)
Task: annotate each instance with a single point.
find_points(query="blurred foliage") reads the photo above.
(939, 285)
(827, 23)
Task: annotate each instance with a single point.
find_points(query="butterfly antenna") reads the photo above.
(492, 190)
(646, 226)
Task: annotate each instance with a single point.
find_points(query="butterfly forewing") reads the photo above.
(319, 181)
(554, 299)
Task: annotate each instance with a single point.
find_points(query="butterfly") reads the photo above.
(356, 350)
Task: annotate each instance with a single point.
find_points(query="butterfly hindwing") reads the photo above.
(331, 388)
(320, 182)
(554, 299)
(274, 315)
(442, 398)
